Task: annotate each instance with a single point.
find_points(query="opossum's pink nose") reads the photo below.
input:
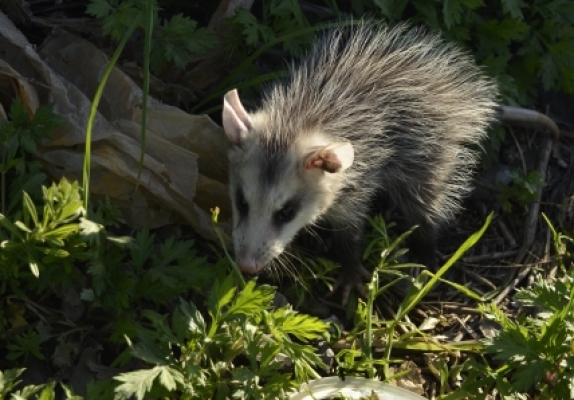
(247, 265)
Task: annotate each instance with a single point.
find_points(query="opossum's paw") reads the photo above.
(351, 278)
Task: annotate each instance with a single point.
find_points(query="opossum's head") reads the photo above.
(279, 181)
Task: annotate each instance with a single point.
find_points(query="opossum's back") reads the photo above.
(369, 80)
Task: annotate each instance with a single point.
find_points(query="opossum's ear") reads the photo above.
(335, 157)
(236, 121)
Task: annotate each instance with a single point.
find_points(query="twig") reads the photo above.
(534, 209)
(506, 233)
(467, 329)
(521, 116)
(520, 153)
(479, 278)
(523, 273)
(393, 315)
(492, 256)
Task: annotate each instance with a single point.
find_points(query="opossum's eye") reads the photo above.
(286, 214)
(241, 203)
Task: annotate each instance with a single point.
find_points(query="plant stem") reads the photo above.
(94, 109)
(145, 88)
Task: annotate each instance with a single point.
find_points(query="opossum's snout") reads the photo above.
(251, 264)
(256, 242)
(248, 265)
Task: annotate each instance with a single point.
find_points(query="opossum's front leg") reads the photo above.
(346, 249)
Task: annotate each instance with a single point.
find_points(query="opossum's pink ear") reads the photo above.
(335, 157)
(236, 121)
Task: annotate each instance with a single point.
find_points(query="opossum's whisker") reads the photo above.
(290, 268)
(301, 264)
(274, 269)
(313, 233)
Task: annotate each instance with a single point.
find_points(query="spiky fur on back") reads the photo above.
(407, 101)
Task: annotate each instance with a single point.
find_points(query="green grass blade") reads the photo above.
(415, 295)
(94, 109)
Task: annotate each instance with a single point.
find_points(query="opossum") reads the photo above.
(370, 110)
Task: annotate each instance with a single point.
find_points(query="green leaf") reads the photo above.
(137, 383)
(530, 374)
(18, 114)
(221, 295)
(200, 41)
(8, 380)
(472, 4)
(100, 389)
(550, 297)
(173, 250)
(170, 377)
(250, 31)
(20, 225)
(187, 319)
(549, 71)
(251, 300)
(99, 8)
(33, 266)
(141, 248)
(69, 393)
(428, 14)
(48, 392)
(451, 12)
(56, 253)
(179, 40)
(513, 7)
(61, 232)
(26, 182)
(9, 165)
(495, 36)
(391, 9)
(514, 344)
(72, 210)
(303, 327)
(9, 226)
(117, 23)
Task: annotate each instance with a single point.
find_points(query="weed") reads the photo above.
(359, 357)
(176, 39)
(9, 382)
(237, 353)
(19, 137)
(107, 214)
(24, 345)
(522, 191)
(46, 240)
(532, 353)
